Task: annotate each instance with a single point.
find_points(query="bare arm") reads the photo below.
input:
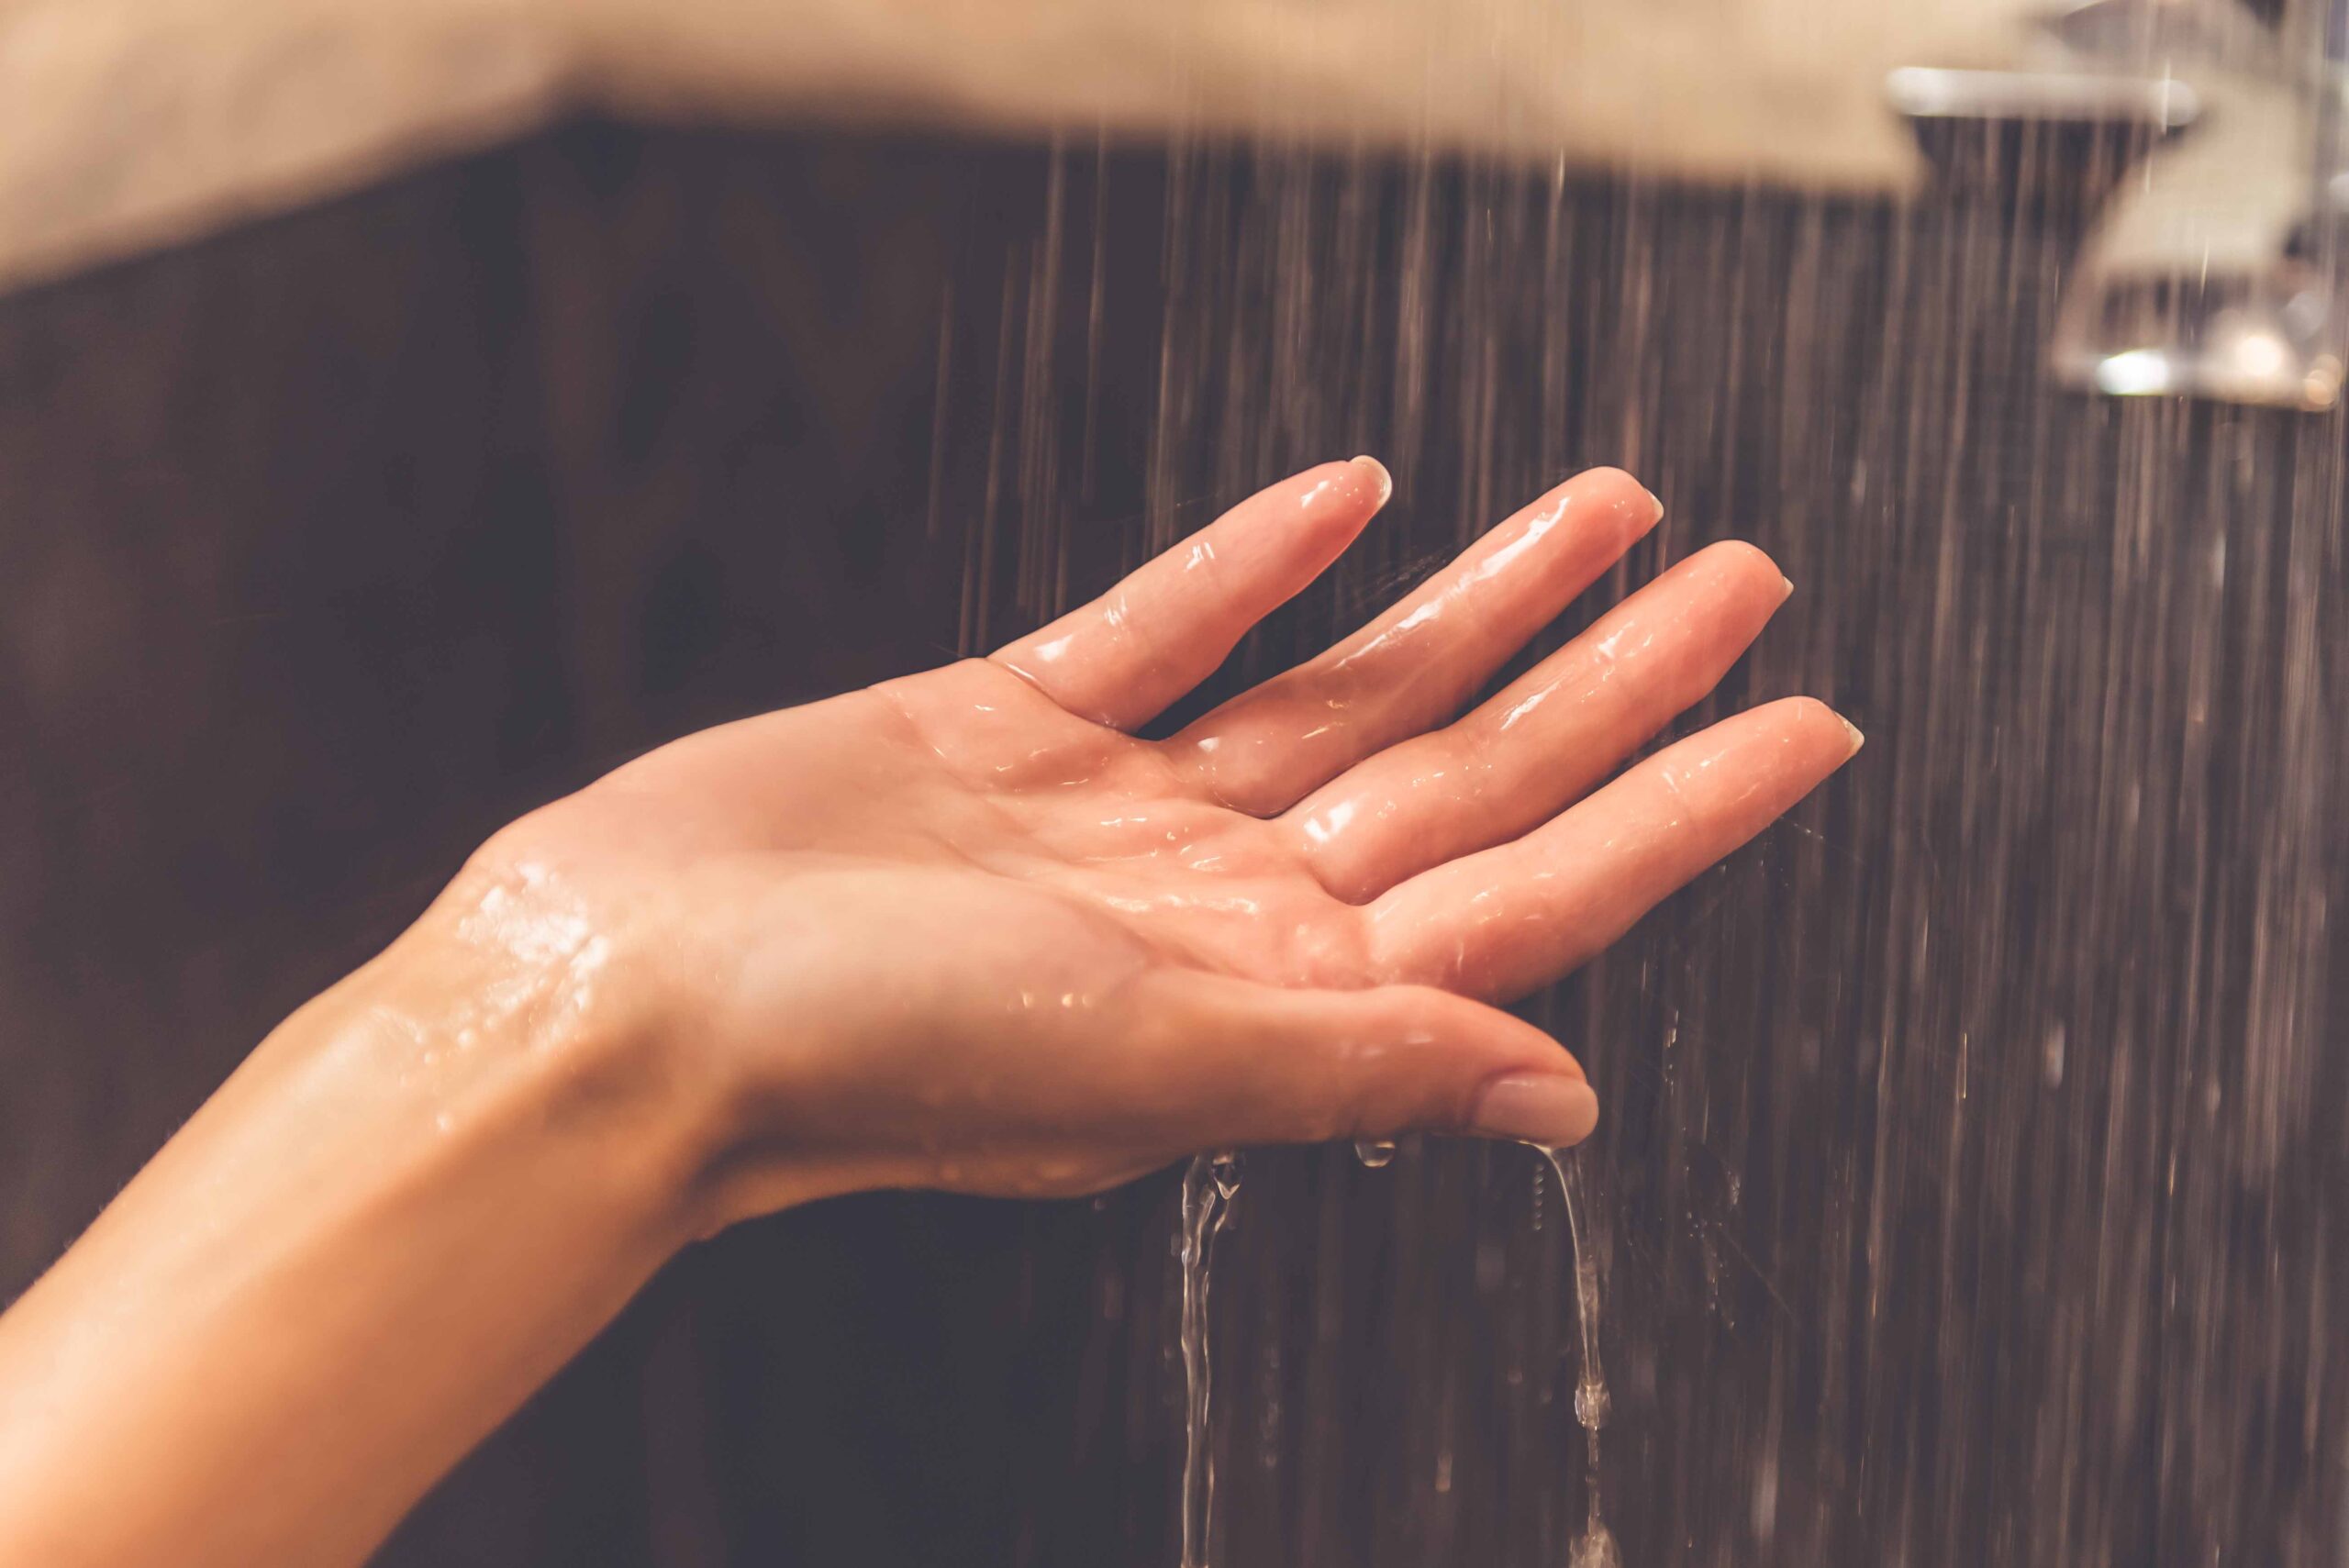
(960, 930)
(363, 1253)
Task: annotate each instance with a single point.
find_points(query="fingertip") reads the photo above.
(1640, 506)
(1813, 721)
(1744, 582)
(1553, 1110)
(1308, 519)
(1358, 486)
(1746, 558)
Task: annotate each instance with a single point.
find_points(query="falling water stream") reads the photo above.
(1595, 1547)
(1972, 1187)
(1210, 1184)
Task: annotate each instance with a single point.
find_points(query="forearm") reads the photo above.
(398, 1218)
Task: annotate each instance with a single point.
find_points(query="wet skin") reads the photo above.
(960, 930)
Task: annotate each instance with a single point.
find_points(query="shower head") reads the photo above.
(2218, 271)
(2218, 268)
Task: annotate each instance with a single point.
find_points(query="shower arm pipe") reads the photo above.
(2220, 268)
(2316, 31)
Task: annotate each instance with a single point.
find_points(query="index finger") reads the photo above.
(1124, 658)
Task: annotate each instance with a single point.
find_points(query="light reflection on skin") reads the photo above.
(1337, 502)
(1424, 781)
(1617, 523)
(1697, 617)
(1538, 883)
(1326, 825)
(1403, 808)
(1407, 661)
(1050, 652)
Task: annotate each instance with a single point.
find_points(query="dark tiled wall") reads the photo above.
(1964, 1202)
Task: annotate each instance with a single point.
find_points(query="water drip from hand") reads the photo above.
(1595, 1547)
(1210, 1185)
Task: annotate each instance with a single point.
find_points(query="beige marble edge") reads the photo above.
(126, 124)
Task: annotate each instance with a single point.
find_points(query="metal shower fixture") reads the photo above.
(2220, 267)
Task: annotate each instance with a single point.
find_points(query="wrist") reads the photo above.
(416, 1199)
(533, 1032)
(700, 1058)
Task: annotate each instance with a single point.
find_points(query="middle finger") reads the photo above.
(1266, 748)
(1551, 736)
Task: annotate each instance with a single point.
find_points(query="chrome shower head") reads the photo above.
(2220, 267)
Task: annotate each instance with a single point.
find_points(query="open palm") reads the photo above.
(966, 930)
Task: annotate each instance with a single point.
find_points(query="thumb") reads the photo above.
(1244, 1063)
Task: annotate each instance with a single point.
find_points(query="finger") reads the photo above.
(1549, 737)
(1415, 664)
(1243, 1062)
(1500, 922)
(1123, 658)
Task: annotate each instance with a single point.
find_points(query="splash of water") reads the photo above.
(1210, 1185)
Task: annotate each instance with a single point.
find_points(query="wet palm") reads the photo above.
(962, 929)
(1050, 955)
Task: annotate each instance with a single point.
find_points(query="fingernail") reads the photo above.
(1385, 480)
(1858, 739)
(1549, 1109)
(1654, 500)
(1788, 583)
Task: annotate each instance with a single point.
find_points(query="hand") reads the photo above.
(965, 931)
(960, 930)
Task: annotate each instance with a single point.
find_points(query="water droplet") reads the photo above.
(1592, 1404)
(1595, 1548)
(1227, 1175)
